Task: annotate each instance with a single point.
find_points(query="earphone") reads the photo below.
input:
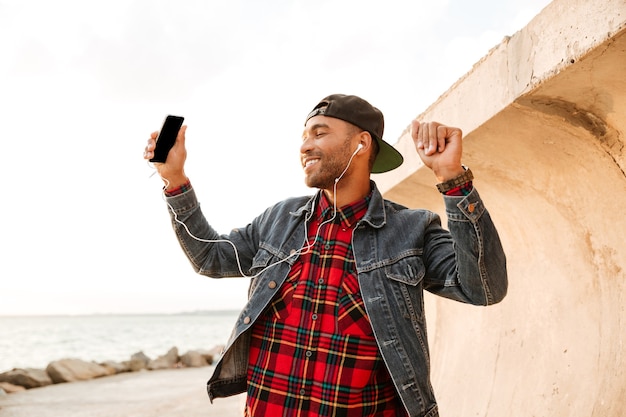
(358, 148)
(306, 244)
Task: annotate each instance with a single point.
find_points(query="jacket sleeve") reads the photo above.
(210, 253)
(467, 263)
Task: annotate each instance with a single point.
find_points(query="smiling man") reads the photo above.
(335, 320)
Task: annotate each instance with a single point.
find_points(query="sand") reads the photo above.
(175, 392)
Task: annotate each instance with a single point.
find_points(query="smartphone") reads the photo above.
(167, 137)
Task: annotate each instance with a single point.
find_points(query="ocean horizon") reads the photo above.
(33, 341)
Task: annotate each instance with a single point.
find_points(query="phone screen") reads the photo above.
(167, 137)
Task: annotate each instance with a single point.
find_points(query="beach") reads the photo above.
(162, 393)
(35, 341)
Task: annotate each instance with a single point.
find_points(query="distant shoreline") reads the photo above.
(33, 341)
(181, 313)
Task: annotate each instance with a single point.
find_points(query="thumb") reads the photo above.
(181, 134)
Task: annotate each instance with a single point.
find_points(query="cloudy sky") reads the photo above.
(84, 83)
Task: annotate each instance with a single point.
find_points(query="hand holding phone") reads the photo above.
(167, 137)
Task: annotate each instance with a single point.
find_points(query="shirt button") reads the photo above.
(247, 320)
(327, 246)
(314, 316)
(272, 285)
(471, 207)
(302, 391)
(308, 353)
(320, 281)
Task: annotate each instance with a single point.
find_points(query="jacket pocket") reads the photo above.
(262, 259)
(408, 274)
(283, 291)
(409, 270)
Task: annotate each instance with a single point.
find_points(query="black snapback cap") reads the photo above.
(355, 110)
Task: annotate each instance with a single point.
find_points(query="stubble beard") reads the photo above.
(330, 169)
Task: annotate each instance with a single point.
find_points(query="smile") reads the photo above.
(310, 162)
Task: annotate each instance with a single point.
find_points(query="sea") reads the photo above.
(35, 341)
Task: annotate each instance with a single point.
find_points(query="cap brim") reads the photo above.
(388, 158)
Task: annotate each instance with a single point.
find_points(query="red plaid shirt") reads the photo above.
(313, 352)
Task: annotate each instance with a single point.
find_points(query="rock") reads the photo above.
(193, 359)
(210, 354)
(70, 370)
(138, 361)
(9, 388)
(214, 352)
(110, 370)
(27, 378)
(169, 360)
(116, 367)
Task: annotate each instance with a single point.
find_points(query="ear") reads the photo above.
(365, 141)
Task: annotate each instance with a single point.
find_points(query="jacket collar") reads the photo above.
(375, 216)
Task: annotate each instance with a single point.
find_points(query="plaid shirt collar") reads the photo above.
(347, 215)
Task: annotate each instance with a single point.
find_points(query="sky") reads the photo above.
(84, 83)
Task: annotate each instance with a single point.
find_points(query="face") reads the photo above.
(326, 150)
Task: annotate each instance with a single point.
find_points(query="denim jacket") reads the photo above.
(399, 253)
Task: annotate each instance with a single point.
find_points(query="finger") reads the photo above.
(415, 127)
(415, 131)
(423, 142)
(430, 138)
(148, 151)
(456, 133)
(442, 136)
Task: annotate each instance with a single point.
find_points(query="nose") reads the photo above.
(307, 146)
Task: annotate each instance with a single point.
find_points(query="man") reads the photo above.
(335, 320)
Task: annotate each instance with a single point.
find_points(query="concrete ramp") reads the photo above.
(544, 116)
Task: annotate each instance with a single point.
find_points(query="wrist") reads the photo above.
(449, 173)
(174, 181)
(464, 177)
(173, 192)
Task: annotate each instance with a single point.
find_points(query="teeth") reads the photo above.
(310, 162)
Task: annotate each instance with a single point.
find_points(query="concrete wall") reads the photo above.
(544, 116)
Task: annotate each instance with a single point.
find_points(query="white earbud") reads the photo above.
(358, 148)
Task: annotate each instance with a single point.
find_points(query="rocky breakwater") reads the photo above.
(71, 369)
